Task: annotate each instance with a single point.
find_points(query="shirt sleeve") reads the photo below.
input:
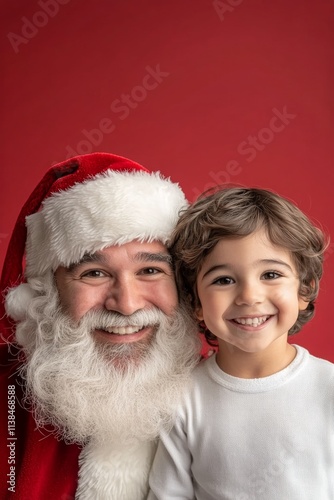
(170, 477)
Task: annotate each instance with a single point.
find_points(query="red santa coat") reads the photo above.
(33, 465)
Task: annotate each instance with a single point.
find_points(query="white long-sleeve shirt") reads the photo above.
(270, 438)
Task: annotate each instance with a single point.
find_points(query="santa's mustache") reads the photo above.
(105, 320)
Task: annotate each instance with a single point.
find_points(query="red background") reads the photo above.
(225, 67)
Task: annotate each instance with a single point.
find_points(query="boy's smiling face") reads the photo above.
(248, 290)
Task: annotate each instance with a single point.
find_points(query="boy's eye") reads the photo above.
(271, 275)
(223, 280)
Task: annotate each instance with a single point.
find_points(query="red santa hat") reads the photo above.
(80, 206)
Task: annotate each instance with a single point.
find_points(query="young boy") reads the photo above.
(259, 421)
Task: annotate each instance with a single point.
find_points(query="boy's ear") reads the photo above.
(302, 302)
(199, 313)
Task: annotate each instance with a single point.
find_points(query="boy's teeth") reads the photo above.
(252, 321)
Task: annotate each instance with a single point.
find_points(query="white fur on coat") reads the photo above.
(109, 472)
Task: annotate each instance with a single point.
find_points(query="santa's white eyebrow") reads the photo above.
(153, 257)
(87, 259)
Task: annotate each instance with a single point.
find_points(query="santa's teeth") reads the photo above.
(123, 330)
(252, 321)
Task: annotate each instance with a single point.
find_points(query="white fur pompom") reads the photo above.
(17, 301)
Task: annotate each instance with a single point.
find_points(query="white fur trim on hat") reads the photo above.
(112, 208)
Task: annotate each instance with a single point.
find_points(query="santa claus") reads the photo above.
(97, 350)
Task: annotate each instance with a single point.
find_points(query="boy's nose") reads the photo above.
(249, 294)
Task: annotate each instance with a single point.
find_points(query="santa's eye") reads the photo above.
(93, 273)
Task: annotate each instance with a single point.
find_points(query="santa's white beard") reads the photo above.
(108, 392)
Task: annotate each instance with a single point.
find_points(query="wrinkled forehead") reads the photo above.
(135, 251)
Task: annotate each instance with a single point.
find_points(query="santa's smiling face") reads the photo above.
(127, 279)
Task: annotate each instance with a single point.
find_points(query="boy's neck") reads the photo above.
(243, 364)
